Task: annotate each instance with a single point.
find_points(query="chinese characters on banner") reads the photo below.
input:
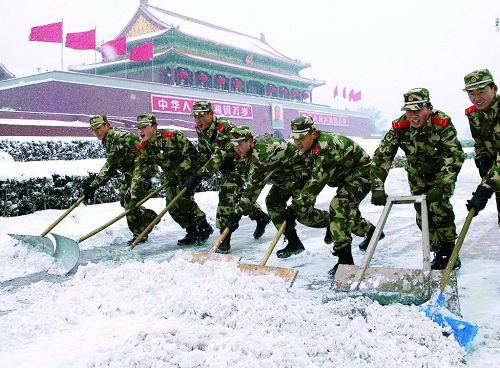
(326, 119)
(180, 105)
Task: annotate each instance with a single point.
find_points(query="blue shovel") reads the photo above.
(463, 331)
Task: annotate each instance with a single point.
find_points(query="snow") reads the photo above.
(146, 308)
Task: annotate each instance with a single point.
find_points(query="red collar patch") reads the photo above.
(316, 150)
(400, 124)
(220, 127)
(470, 109)
(167, 134)
(141, 145)
(440, 121)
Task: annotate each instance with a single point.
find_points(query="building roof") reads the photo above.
(5, 73)
(164, 20)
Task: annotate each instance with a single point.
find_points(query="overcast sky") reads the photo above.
(382, 48)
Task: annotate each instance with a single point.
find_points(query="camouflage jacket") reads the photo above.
(433, 152)
(170, 150)
(332, 157)
(214, 147)
(271, 160)
(485, 129)
(120, 155)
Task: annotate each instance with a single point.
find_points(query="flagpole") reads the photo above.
(62, 44)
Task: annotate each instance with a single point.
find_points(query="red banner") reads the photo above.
(142, 52)
(326, 119)
(47, 33)
(182, 105)
(81, 40)
(111, 49)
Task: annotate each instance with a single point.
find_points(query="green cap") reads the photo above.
(97, 120)
(301, 126)
(240, 134)
(477, 79)
(416, 99)
(201, 108)
(145, 120)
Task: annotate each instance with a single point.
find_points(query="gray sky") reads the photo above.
(381, 47)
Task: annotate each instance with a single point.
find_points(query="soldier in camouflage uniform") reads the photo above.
(484, 119)
(434, 158)
(275, 161)
(339, 162)
(217, 153)
(177, 157)
(121, 154)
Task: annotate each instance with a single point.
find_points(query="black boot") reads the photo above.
(294, 245)
(262, 222)
(204, 231)
(345, 257)
(328, 236)
(364, 244)
(442, 257)
(226, 244)
(191, 236)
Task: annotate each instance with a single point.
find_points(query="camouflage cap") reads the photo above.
(201, 108)
(300, 127)
(477, 79)
(415, 99)
(97, 120)
(240, 134)
(145, 120)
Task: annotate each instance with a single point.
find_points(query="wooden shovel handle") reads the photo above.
(273, 244)
(219, 241)
(66, 213)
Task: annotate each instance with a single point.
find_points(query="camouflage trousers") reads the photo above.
(185, 210)
(229, 196)
(442, 227)
(276, 203)
(139, 218)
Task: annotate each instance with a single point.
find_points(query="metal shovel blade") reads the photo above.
(287, 274)
(67, 252)
(40, 243)
(462, 330)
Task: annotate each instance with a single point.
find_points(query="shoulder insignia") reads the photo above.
(220, 127)
(316, 150)
(167, 134)
(401, 124)
(249, 161)
(470, 109)
(443, 122)
(141, 145)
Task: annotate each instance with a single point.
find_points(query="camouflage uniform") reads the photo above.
(177, 157)
(121, 153)
(434, 158)
(217, 153)
(275, 161)
(485, 129)
(339, 162)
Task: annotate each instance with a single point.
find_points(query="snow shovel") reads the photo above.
(211, 255)
(64, 244)
(157, 219)
(391, 285)
(287, 274)
(65, 254)
(463, 331)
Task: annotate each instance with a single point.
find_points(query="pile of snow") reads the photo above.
(5, 157)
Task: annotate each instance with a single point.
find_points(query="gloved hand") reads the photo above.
(232, 222)
(299, 184)
(88, 190)
(379, 198)
(434, 195)
(484, 165)
(192, 182)
(131, 204)
(479, 199)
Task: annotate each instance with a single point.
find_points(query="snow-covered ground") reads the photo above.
(145, 309)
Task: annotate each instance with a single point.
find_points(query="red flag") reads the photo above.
(344, 93)
(47, 33)
(142, 52)
(351, 95)
(357, 96)
(336, 92)
(114, 48)
(81, 40)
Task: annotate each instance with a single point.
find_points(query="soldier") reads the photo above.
(434, 158)
(177, 157)
(217, 153)
(121, 153)
(271, 160)
(484, 119)
(339, 162)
